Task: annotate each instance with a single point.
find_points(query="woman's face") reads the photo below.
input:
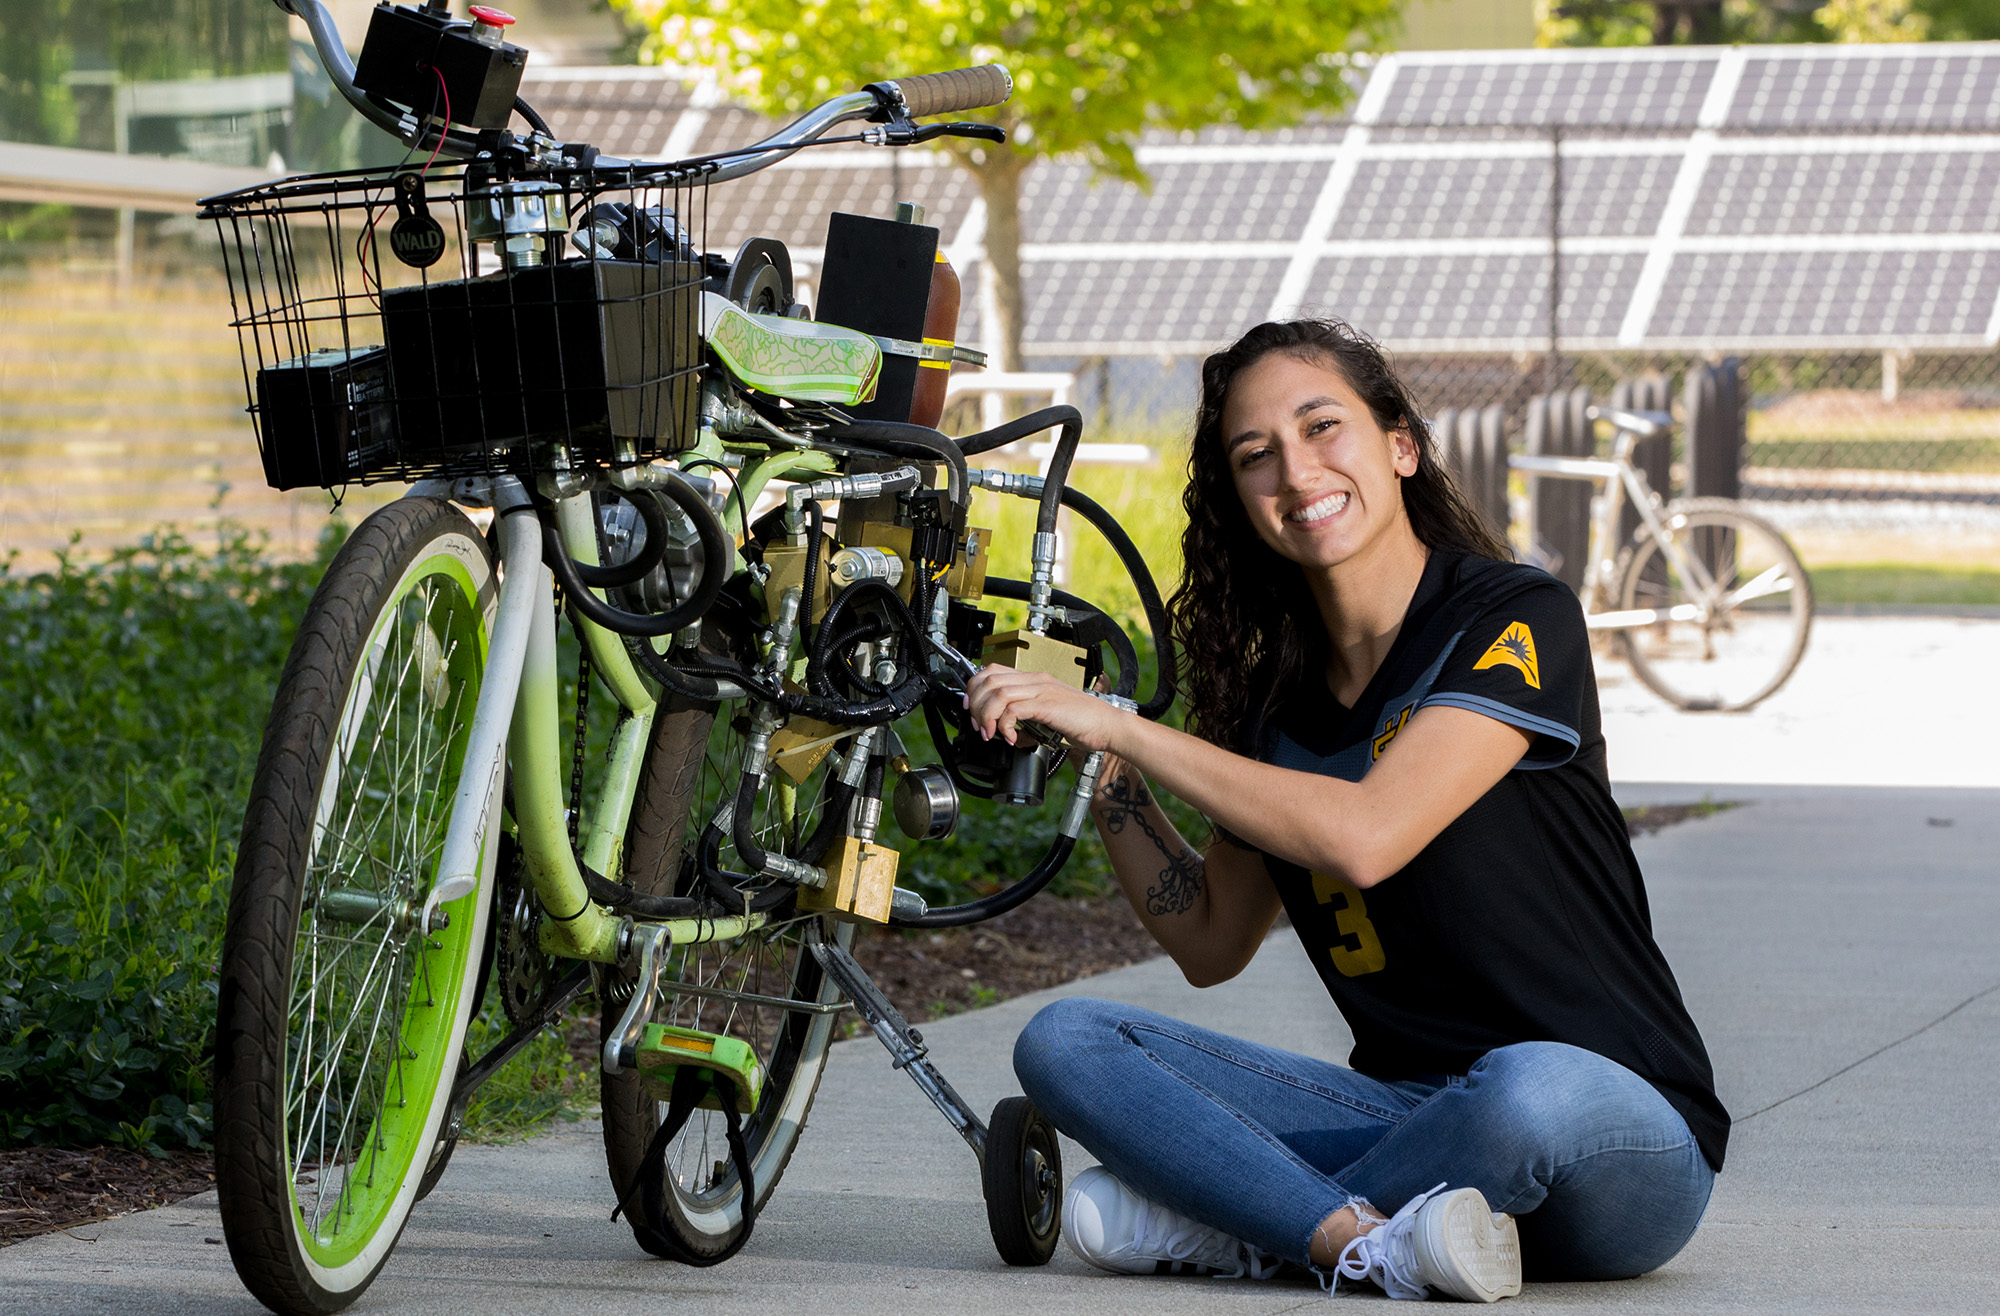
(1317, 475)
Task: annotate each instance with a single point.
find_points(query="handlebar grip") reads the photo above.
(960, 89)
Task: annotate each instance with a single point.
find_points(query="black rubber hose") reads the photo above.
(694, 685)
(832, 822)
(535, 121)
(1057, 476)
(817, 678)
(974, 445)
(747, 848)
(715, 550)
(815, 523)
(978, 911)
(1097, 628)
(647, 504)
(901, 438)
(726, 886)
(1150, 602)
(606, 892)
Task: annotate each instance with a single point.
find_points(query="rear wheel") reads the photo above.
(341, 1022)
(1735, 607)
(692, 762)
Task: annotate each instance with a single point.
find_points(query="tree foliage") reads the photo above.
(1090, 76)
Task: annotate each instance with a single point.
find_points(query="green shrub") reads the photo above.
(132, 699)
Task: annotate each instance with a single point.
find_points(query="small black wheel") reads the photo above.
(1023, 1182)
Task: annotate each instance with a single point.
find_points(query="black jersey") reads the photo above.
(1526, 918)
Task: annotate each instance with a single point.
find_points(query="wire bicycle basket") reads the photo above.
(442, 321)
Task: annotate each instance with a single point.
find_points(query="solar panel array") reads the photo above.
(1729, 199)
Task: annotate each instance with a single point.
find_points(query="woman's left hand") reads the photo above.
(1001, 699)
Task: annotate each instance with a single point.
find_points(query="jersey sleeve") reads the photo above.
(1524, 662)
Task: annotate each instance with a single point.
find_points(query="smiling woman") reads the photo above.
(1396, 735)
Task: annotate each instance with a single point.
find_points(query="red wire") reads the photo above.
(368, 235)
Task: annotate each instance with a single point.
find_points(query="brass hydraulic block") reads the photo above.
(798, 746)
(890, 538)
(967, 577)
(1024, 651)
(787, 564)
(860, 882)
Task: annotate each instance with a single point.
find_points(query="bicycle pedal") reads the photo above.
(664, 1051)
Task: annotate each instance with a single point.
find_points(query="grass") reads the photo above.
(1902, 582)
(133, 695)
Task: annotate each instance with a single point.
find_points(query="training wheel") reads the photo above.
(1023, 1182)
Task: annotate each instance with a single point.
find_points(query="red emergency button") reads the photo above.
(494, 17)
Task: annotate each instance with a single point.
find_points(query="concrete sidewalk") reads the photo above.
(1839, 947)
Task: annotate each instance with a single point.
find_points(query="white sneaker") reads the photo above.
(1451, 1243)
(1115, 1229)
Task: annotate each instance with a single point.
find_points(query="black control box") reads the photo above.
(581, 353)
(407, 51)
(325, 418)
(877, 278)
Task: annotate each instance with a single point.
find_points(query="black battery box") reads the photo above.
(581, 352)
(877, 278)
(408, 50)
(325, 418)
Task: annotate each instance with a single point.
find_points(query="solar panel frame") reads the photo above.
(1675, 162)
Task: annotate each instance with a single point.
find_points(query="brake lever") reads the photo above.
(905, 133)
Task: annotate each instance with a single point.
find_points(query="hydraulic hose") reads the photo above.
(1056, 477)
(974, 445)
(1149, 596)
(623, 898)
(1096, 628)
(905, 439)
(715, 550)
(978, 911)
(647, 503)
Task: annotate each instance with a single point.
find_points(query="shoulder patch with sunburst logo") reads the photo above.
(1515, 648)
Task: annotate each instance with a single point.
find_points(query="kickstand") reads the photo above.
(904, 1044)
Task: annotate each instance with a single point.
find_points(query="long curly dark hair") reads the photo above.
(1243, 617)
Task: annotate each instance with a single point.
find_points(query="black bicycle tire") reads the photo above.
(261, 926)
(1631, 561)
(670, 777)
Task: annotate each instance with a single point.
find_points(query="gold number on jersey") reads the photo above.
(1365, 955)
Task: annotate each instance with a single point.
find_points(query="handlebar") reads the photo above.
(948, 93)
(1642, 424)
(893, 102)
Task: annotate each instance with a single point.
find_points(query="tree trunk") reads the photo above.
(1000, 305)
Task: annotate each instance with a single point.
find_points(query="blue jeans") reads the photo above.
(1262, 1144)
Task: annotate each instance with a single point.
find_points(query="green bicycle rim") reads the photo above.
(381, 1118)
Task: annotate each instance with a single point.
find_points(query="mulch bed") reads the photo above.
(43, 1189)
(928, 975)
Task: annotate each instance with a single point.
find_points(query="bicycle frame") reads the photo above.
(1614, 480)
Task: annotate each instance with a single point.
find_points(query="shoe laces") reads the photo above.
(1164, 1234)
(1387, 1256)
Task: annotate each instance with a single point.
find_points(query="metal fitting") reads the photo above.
(1005, 482)
(851, 566)
(787, 869)
(1041, 581)
(1077, 808)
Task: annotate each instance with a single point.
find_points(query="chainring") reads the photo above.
(525, 971)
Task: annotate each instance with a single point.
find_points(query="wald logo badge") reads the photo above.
(1515, 648)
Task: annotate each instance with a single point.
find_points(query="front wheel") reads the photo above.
(1734, 606)
(341, 1021)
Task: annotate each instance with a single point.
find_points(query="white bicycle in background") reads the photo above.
(1709, 601)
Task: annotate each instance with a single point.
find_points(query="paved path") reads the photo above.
(1876, 701)
(1810, 928)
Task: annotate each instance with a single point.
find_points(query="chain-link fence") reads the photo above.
(1843, 287)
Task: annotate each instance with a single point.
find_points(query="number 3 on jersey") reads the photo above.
(1363, 951)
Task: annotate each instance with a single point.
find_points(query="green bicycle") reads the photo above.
(768, 565)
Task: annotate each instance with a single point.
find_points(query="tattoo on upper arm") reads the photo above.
(1179, 884)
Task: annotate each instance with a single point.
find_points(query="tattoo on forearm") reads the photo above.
(1124, 800)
